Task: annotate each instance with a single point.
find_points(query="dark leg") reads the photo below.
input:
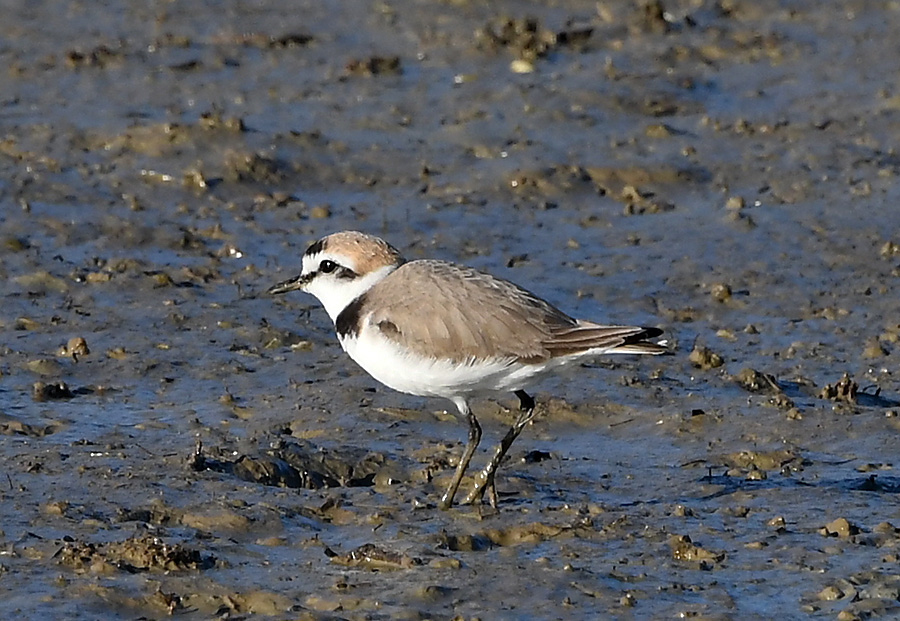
(484, 480)
(471, 445)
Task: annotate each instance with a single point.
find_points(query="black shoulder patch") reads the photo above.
(347, 322)
(315, 248)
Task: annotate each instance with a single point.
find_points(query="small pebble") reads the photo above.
(720, 292)
(734, 202)
(521, 66)
(320, 212)
(75, 347)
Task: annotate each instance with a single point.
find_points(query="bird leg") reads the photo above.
(471, 445)
(484, 480)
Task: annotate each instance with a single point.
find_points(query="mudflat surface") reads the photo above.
(176, 442)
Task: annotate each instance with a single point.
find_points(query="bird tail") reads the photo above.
(586, 335)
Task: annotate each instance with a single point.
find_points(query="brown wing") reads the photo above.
(451, 311)
(614, 339)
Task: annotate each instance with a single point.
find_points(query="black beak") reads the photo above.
(292, 284)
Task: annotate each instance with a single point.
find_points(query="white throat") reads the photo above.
(336, 295)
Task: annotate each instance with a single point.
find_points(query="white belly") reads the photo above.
(430, 377)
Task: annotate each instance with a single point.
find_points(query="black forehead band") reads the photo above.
(315, 247)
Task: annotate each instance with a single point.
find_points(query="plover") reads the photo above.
(438, 329)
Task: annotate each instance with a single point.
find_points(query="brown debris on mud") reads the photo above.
(145, 553)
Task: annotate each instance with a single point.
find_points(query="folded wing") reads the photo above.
(444, 310)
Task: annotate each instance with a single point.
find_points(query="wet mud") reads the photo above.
(175, 442)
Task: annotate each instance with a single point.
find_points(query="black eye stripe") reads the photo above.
(327, 266)
(346, 273)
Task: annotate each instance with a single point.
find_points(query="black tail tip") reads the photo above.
(650, 333)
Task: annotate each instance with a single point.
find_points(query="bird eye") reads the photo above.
(327, 266)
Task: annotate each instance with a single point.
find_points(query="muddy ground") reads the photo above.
(175, 442)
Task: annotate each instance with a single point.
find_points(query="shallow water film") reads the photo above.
(177, 443)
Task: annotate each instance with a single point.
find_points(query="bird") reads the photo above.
(433, 328)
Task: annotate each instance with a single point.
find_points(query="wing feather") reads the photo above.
(444, 310)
